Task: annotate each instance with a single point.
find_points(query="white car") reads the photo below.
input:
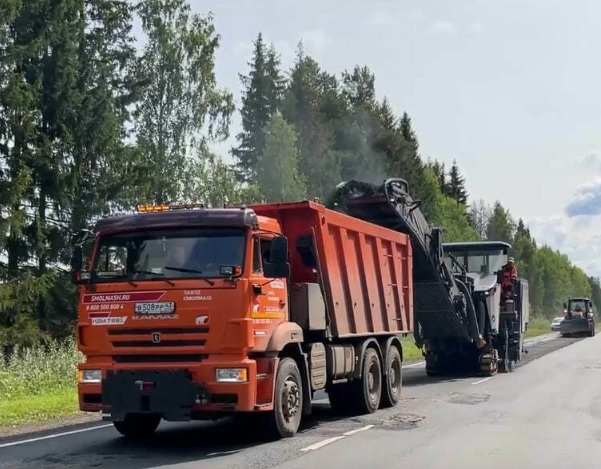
(555, 323)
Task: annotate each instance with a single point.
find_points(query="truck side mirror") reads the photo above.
(76, 263)
(279, 250)
(279, 266)
(565, 306)
(78, 240)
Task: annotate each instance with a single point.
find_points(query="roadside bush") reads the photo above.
(40, 369)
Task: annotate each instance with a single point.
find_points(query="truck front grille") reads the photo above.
(155, 358)
(157, 338)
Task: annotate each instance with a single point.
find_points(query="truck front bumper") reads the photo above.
(177, 393)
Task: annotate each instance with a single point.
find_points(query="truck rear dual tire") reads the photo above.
(364, 395)
(138, 426)
(367, 391)
(391, 391)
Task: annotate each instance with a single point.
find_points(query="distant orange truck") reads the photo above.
(190, 313)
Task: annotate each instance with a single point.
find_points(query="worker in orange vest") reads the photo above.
(510, 272)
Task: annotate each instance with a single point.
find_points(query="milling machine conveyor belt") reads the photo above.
(435, 289)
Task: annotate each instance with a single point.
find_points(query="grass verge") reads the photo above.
(538, 326)
(38, 384)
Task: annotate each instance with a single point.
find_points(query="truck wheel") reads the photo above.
(288, 405)
(138, 426)
(391, 393)
(368, 389)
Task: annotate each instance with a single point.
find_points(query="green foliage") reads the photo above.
(180, 98)
(38, 383)
(89, 125)
(34, 370)
(278, 176)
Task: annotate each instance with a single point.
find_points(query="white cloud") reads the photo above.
(586, 201)
(475, 28)
(592, 161)
(576, 237)
(243, 48)
(443, 27)
(315, 40)
(380, 18)
(416, 15)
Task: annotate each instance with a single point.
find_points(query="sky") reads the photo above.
(508, 89)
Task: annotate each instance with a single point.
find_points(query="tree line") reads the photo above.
(90, 124)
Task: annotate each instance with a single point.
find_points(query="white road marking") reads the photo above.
(55, 435)
(414, 364)
(362, 429)
(482, 380)
(221, 453)
(323, 443)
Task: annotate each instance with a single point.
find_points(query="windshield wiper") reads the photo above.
(191, 271)
(149, 272)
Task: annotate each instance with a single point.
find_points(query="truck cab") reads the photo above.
(188, 287)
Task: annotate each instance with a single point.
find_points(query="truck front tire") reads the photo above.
(288, 400)
(138, 426)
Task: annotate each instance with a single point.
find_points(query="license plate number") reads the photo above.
(155, 308)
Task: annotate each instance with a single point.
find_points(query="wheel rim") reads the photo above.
(394, 376)
(373, 381)
(290, 398)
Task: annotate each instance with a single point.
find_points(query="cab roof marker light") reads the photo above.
(148, 208)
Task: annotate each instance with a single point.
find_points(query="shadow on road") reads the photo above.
(171, 445)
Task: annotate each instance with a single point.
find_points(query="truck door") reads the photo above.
(269, 301)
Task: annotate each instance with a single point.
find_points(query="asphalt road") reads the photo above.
(545, 414)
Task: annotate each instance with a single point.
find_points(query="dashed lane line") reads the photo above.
(482, 380)
(321, 444)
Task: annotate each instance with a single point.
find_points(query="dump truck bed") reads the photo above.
(365, 270)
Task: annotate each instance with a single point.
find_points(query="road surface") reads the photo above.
(545, 414)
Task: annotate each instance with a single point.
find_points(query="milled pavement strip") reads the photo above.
(533, 341)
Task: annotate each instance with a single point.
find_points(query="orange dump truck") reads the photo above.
(190, 313)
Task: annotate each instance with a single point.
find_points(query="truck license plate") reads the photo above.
(166, 307)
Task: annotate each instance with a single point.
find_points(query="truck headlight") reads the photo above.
(231, 375)
(90, 376)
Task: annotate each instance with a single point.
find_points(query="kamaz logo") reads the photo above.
(156, 337)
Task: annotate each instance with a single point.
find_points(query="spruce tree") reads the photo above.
(456, 185)
(263, 89)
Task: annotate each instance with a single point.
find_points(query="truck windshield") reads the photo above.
(577, 306)
(166, 254)
(486, 261)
